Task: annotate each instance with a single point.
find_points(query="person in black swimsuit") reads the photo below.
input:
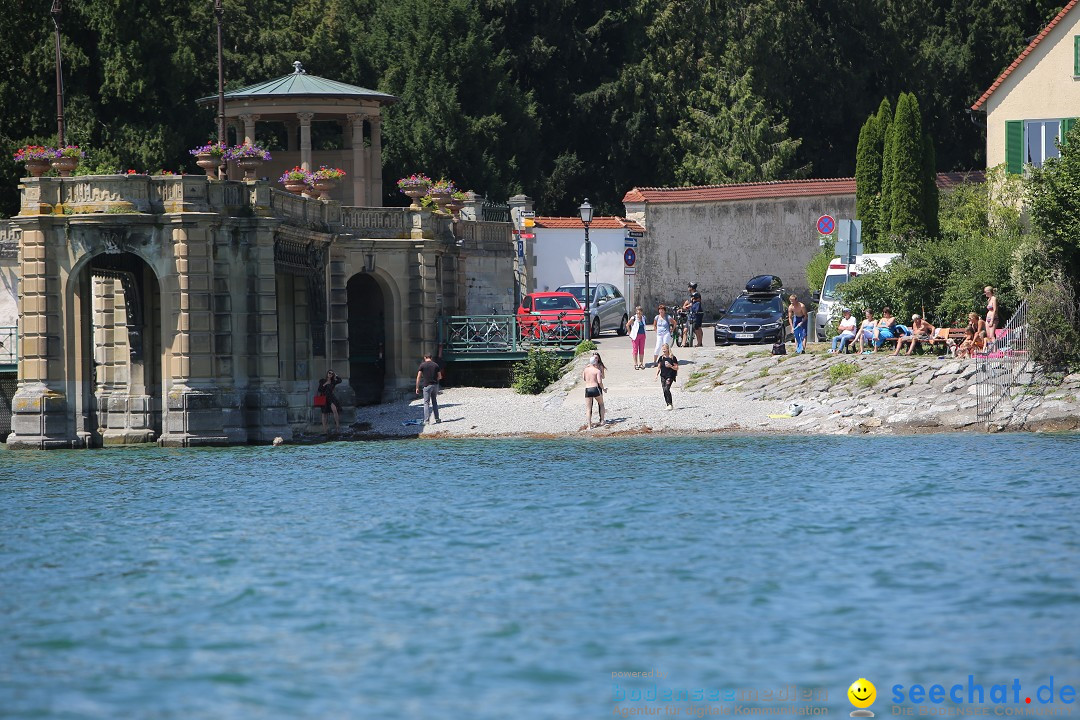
(326, 388)
(667, 367)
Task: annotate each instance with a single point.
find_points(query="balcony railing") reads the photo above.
(9, 346)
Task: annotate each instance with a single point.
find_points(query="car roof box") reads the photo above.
(764, 284)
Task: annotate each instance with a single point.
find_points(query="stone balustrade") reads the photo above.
(123, 194)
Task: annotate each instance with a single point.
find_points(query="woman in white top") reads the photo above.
(847, 332)
(635, 327)
(662, 325)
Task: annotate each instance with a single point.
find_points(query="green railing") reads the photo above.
(493, 335)
(9, 346)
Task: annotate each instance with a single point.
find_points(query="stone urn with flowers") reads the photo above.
(209, 157)
(415, 186)
(441, 192)
(37, 159)
(248, 158)
(296, 180)
(67, 159)
(325, 179)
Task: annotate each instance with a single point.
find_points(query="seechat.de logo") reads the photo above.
(862, 694)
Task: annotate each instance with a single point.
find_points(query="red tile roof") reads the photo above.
(598, 223)
(1027, 51)
(774, 189)
(742, 191)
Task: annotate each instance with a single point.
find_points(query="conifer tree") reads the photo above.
(888, 174)
(906, 199)
(868, 178)
(929, 186)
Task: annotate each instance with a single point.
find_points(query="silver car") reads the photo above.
(608, 311)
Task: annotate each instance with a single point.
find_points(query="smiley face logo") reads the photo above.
(862, 694)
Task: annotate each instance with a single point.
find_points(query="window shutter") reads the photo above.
(1076, 55)
(1067, 125)
(1014, 146)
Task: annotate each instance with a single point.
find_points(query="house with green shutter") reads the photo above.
(1036, 100)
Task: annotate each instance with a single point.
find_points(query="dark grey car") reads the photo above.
(608, 312)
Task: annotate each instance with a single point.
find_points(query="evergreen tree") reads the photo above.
(729, 135)
(868, 164)
(906, 203)
(888, 175)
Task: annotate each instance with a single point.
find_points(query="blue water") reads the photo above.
(510, 579)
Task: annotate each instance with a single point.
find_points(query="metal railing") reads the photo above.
(9, 345)
(493, 334)
(1005, 364)
(495, 212)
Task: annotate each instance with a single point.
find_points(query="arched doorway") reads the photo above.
(119, 350)
(367, 338)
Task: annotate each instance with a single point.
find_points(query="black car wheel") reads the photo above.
(596, 327)
(622, 326)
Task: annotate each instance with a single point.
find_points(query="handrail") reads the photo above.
(494, 334)
(9, 345)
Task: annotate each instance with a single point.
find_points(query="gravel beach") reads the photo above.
(735, 390)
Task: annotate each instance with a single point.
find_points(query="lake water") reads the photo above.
(512, 579)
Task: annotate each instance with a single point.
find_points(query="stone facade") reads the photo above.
(199, 312)
(721, 236)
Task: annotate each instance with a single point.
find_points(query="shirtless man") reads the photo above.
(921, 330)
(593, 375)
(799, 320)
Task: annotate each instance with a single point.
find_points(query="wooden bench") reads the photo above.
(941, 336)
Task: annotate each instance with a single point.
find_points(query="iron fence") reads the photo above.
(495, 212)
(494, 334)
(9, 345)
(1005, 364)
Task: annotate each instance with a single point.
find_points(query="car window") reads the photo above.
(832, 282)
(747, 305)
(603, 292)
(615, 291)
(526, 302)
(577, 291)
(558, 302)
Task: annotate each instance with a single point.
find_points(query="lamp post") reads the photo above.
(219, 11)
(586, 218)
(56, 10)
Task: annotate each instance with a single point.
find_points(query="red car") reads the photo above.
(555, 316)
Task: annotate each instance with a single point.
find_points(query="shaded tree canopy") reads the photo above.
(555, 98)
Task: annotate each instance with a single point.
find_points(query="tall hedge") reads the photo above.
(929, 186)
(907, 169)
(868, 178)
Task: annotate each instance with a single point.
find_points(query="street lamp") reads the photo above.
(219, 11)
(56, 11)
(586, 218)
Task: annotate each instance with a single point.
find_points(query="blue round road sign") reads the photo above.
(826, 224)
(629, 257)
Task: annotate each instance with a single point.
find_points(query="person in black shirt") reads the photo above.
(667, 367)
(326, 389)
(427, 379)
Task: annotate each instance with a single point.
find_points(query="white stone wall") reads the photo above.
(1042, 87)
(558, 256)
(721, 245)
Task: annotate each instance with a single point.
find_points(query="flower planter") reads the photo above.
(324, 187)
(65, 165)
(296, 188)
(209, 163)
(250, 166)
(37, 168)
(415, 193)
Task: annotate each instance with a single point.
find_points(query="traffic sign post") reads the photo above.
(629, 257)
(826, 224)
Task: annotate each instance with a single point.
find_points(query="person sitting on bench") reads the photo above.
(921, 331)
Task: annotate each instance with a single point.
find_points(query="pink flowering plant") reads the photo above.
(34, 152)
(328, 173)
(70, 151)
(416, 181)
(215, 150)
(247, 152)
(296, 175)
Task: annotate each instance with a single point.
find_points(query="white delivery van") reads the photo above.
(837, 275)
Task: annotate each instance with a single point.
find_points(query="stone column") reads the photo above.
(41, 411)
(193, 411)
(360, 172)
(249, 128)
(524, 262)
(376, 192)
(265, 405)
(305, 138)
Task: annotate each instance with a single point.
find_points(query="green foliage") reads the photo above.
(583, 347)
(539, 369)
(869, 380)
(931, 205)
(840, 372)
(817, 267)
(1054, 338)
(942, 278)
(905, 167)
(868, 157)
(1054, 200)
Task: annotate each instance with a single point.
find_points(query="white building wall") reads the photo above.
(558, 256)
(1043, 87)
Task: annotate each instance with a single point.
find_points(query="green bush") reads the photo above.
(1054, 336)
(539, 369)
(841, 372)
(583, 347)
(869, 380)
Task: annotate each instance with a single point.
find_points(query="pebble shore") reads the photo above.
(742, 390)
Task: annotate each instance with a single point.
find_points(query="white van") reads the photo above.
(837, 275)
